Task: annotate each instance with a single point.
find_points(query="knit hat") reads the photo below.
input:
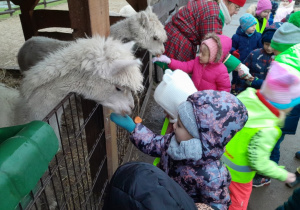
(246, 21)
(240, 3)
(282, 86)
(285, 37)
(269, 31)
(290, 1)
(263, 5)
(213, 49)
(175, 87)
(188, 119)
(295, 19)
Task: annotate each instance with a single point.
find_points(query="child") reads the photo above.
(262, 12)
(191, 154)
(249, 151)
(285, 8)
(208, 71)
(244, 41)
(273, 11)
(259, 60)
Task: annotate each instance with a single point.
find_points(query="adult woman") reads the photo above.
(190, 24)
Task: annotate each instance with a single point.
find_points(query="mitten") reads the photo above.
(236, 54)
(244, 72)
(123, 121)
(162, 58)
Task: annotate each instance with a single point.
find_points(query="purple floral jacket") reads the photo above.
(219, 116)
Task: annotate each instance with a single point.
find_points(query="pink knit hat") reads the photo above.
(282, 86)
(263, 5)
(290, 1)
(213, 49)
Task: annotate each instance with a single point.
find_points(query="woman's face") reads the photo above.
(265, 13)
(204, 54)
(232, 8)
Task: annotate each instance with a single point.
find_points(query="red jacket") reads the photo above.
(189, 26)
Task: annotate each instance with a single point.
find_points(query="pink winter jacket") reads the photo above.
(210, 76)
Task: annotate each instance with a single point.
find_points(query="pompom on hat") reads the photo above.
(240, 3)
(295, 19)
(282, 84)
(175, 87)
(263, 5)
(246, 21)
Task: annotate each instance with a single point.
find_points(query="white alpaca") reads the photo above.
(100, 69)
(144, 28)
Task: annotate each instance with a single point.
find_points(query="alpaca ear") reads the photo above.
(144, 20)
(119, 65)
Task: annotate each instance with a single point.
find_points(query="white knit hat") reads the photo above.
(174, 89)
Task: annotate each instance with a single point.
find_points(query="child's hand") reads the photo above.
(236, 54)
(162, 58)
(123, 121)
(291, 177)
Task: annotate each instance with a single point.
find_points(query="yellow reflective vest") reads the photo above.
(261, 30)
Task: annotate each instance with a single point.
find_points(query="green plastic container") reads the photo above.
(25, 152)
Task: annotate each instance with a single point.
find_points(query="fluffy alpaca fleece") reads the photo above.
(9, 98)
(100, 69)
(144, 28)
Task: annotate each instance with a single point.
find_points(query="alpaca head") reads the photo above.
(150, 33)
(97, 68)
(114, 74)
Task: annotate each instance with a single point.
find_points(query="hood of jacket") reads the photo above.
(224, 44)
(137, 185)
(240, 32)
(258, 114)
(219, 116)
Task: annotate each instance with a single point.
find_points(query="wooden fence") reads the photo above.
(11, 10)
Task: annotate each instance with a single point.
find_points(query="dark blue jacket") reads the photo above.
(258, 62)
(245, 44)
(138, 186)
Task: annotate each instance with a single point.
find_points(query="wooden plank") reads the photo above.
(51, 18)
(111, 143)
(56, 35)
(138, 5)
(99, 17)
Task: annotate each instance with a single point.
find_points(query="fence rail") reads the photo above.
(11, 10)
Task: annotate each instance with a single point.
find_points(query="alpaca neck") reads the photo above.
(122, 30)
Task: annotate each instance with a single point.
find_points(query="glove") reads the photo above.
(162, 58)
(123, 121)
(244, 72)
(236, 54)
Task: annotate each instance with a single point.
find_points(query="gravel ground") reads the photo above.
(11, 34)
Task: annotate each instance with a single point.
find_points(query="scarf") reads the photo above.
(225, 12)
(186, 150)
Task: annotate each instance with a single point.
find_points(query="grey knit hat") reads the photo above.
(188, 119)
(286, 36)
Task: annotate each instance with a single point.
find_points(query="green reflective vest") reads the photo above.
(236, 155)
(261, 30)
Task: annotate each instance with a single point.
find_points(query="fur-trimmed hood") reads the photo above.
(252, 9)
(224, 45)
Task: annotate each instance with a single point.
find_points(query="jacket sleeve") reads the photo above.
(259, 151)
(215, 192)
(147, 141)
(212, 23)
(223, 80)
(184, 66)
(256, 83)
(235, 43)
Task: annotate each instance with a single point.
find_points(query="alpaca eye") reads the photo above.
(118, 89)
(155, 38)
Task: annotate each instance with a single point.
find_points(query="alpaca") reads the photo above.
(97, 68)
(144, 28)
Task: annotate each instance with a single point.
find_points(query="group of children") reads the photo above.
(220, 141)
